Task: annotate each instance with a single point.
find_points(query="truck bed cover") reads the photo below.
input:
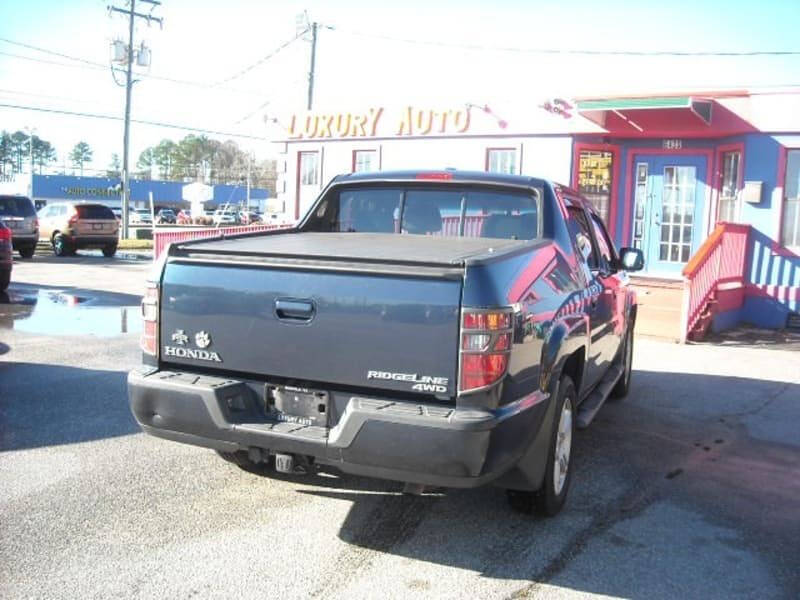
(368, 247)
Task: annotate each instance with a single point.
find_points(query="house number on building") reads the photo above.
(672, 144)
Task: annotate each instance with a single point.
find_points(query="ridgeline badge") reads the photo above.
(420, 383)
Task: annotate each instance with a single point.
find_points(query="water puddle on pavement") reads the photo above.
(53, 312)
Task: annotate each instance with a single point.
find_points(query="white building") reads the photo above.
(317, 146)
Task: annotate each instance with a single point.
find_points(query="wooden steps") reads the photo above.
(660, 301)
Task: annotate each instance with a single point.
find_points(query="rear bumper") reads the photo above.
(24, 240)
(430, 444)
(93, 241)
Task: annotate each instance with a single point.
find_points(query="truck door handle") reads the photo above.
(294, 310)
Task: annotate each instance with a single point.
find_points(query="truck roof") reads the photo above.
(445, 176)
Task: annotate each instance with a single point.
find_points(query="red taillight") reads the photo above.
(485, 347)
(36, 223)
(436, 176)
(480, 370)
(5, 234)
(149, 339)
(74, 218)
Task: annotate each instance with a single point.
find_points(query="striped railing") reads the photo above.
(718, 264)
(161, 239)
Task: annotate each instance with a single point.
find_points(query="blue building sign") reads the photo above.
(48, 188)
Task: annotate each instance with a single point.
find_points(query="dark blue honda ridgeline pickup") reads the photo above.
(435, 328)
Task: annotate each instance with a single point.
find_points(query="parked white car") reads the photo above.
(140, 217)
(226, 217)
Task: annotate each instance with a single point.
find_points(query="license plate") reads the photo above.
(291, 404)
(97, 226)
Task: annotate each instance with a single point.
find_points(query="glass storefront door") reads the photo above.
(669, 195)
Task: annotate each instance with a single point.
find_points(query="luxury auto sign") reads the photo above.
(377, 122)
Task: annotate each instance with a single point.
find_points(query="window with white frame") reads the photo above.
(365, 160)
(501, 160)
(308, 168)
(790, 236)
(729, 196)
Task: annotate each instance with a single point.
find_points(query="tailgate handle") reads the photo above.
(294, 310)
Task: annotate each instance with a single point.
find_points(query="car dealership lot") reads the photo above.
(687, 488)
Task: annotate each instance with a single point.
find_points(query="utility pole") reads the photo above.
(248, 183)
(314, 27)
(131, 13)
(31, 131)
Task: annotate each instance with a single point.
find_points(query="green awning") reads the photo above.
(635, 103)
(646, 114)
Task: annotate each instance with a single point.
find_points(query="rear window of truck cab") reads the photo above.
(451, 211)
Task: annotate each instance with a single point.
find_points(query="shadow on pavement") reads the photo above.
(46, 405)
(677, 438)
(755, 337)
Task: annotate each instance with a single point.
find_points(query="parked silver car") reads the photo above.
(19, 215)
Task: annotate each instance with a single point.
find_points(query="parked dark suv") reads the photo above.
(19, 215)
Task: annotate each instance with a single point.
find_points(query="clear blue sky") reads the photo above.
(209, 41)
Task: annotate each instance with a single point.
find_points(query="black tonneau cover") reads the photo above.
(368, 247)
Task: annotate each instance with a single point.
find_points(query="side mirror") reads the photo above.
(631, 259)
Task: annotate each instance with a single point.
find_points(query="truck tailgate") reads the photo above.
(349, 328)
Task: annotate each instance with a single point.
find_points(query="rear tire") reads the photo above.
(110, 250)
(27, 251)
(550, 498)
(5, 280)
(626, 360)
(61, 246)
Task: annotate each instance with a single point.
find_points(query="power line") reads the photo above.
(52, 62)
(576, 52)
(140, 121)
(260, 61)
(88, 64)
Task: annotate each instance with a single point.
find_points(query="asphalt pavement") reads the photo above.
(688, 488)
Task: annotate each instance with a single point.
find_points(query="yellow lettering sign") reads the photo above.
(411, 121)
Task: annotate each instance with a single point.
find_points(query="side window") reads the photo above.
(604, 245)
(581, 233)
